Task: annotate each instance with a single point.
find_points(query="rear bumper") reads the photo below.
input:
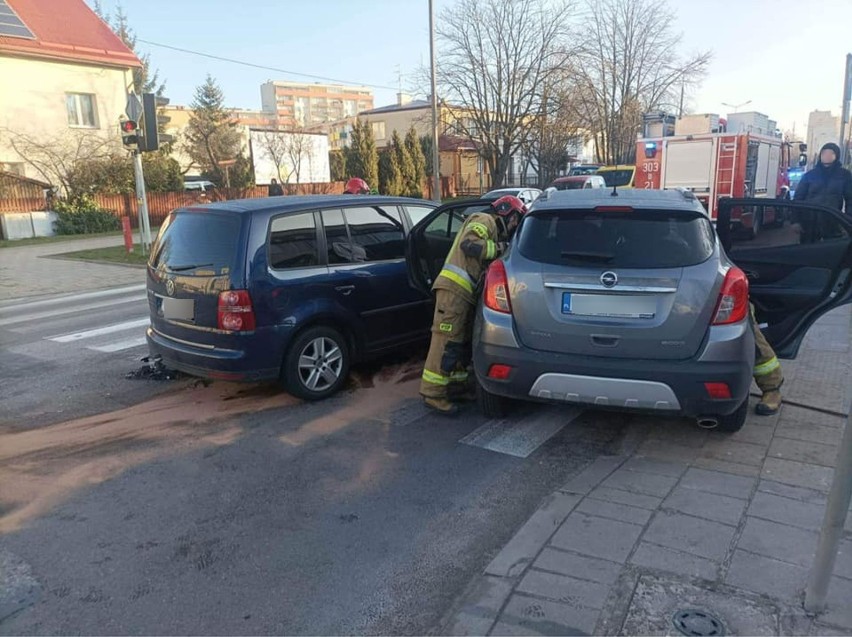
(671, 387)
(249, 363)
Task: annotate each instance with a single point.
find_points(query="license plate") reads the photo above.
(609, 305)
(178, 309)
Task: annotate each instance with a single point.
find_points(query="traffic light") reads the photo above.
(151, 122)
(129, 133)
(803, 154)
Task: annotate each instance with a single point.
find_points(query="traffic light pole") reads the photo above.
(142, 204)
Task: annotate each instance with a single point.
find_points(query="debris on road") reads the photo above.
(153, 370)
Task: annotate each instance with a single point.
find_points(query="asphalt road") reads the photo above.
(180, 508)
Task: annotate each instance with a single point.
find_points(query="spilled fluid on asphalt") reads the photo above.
(40, 468)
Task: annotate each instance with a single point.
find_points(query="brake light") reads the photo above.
(499, 372)
(613, 209)
(236, 313)
(732, 306)
(718, 391)
(497, 289)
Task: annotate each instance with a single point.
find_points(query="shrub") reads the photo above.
(81, 215)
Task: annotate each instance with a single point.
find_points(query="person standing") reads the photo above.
(275, 189)
(480, 240)
(828, 183)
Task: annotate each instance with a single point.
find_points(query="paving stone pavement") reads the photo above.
(724, 523)
(28, 271)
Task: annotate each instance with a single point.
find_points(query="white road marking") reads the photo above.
(119, 345)
(82, 296)
(520, 437)
(25, 318)
(100, 331)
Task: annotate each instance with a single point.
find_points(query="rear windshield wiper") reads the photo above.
(604, 257)
(184, 268)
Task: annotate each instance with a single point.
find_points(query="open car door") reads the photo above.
(431, 238)
(798, 264)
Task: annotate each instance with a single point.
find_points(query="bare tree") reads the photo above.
(55, 156)
(297, 143)
(494, 58)
(274, 144)
(629, 65)
(557, 129)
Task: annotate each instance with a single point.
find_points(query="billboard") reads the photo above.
(290, 157)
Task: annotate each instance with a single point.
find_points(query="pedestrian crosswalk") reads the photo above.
(519, 436)
(103, 321)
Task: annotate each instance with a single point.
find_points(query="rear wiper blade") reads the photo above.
(588, 256)
(183, 268)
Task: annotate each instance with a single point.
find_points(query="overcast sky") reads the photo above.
(786, 56)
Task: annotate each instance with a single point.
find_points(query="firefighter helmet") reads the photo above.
(506, 205)
(356, 186)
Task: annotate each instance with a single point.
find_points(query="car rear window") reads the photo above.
(576, 184)
(191, 241)
(637, 239)
(616, 177)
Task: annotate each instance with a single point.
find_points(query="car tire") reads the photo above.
(492, 405)
(735, 421)
(317, 364)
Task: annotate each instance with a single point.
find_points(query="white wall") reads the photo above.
(314, 166)
(32, 103)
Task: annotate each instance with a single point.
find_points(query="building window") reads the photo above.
(378, 130)
(350, 108)
(13, 167)
(81, 110)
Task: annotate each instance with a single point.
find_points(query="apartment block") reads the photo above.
(302, 104)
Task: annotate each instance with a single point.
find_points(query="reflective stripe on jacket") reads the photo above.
(474, 248)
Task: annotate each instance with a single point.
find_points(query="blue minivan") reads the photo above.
(290, 288)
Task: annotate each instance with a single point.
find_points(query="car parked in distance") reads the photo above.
(527, 195)
(296, 288)
(578, 182)
(583, 169)
(631, 302)
(198, 185)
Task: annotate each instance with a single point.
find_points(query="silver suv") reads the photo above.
(629, 300)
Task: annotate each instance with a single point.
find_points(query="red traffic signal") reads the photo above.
(128, 126)
(129, 133)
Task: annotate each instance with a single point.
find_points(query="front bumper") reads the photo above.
(660, 386)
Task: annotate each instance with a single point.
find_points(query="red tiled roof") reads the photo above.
(67, 30)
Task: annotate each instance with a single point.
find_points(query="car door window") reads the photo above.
(337, 242)
(418, 213)
(293, 242)
(796, 257)
(376, 233)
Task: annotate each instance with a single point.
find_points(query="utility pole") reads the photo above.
(436, 151)
(680, 108)
(142, 203)
(844, 117)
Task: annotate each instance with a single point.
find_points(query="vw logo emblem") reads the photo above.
(170, 287)
(609, 279)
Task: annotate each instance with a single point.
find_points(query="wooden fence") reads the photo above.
(19, 194)
(32, 198)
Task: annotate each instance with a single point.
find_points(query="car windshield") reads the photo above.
(574, 184)
(617, 177)
(637, 239)
(190, 241)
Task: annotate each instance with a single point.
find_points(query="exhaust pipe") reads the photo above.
(708, 422)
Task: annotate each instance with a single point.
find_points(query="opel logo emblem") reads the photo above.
(609, 279)
(170, 287)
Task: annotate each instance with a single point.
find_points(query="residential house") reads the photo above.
(64, 78)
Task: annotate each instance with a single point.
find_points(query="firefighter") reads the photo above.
(356, 186)
(767, 371)
(482, 238)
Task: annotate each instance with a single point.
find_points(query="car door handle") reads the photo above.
(345, 290)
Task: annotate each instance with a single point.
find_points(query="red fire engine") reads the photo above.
(713, 165)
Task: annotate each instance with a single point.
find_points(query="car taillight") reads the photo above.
(732, 306)
(497, 289)
(718, 391)
(236, 313)
(499, 372)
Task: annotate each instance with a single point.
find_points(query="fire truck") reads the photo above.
(713, 164)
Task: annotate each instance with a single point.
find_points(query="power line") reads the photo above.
(264, 67)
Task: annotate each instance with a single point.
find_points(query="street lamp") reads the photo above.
(736, 107)
(436, 151)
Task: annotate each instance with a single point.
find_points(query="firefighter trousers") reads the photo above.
(767, 370)
(445, 372)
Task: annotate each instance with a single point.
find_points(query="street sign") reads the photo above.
(133, 109)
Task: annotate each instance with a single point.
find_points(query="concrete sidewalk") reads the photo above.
(28, 271)
(687, 520)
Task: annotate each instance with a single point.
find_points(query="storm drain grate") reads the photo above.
(698, 623)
